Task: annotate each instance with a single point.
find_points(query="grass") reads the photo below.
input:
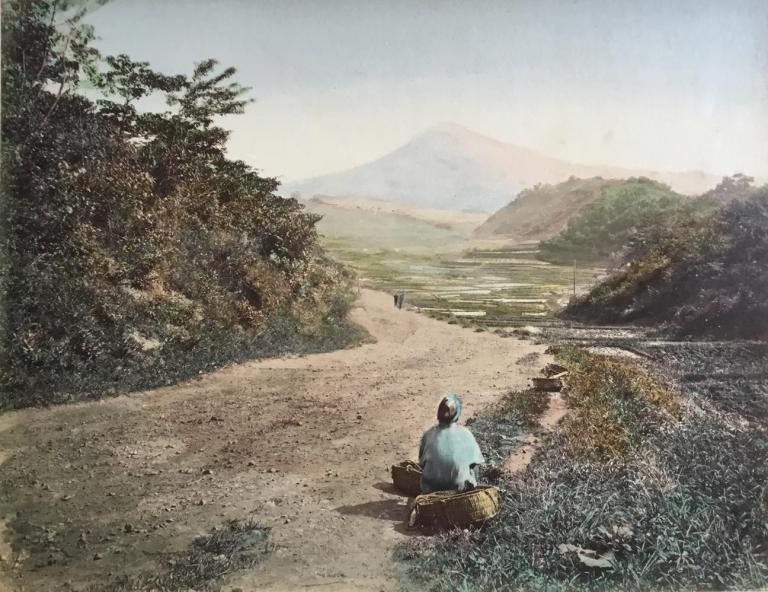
(235, 546)
(614, 404)
(647, 493)
(500, 430)
(528, 405)
(733, 376)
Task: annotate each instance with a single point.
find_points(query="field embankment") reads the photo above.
(645, 484)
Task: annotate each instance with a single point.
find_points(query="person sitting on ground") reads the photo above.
(449, 453)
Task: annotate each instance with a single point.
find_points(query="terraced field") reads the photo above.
(445, 273)
(491, 288)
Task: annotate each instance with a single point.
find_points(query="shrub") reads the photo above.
(703, 277)
(134, 248)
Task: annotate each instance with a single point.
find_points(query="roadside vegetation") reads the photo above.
(640, 487)
(701, 272)
(657, 478)
(237, 545)
(135, 252)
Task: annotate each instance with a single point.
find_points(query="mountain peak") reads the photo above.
(449, 166)
(458, 132)
(450, 127)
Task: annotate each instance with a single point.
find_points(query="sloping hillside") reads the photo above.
(135, 252)
(699, 274)
(462, 222)
(542, 211)
(453, 168)
(600, 230)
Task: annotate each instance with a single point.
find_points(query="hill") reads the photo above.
(542, 211)
(453, 168)
(463, 223)
(698, 274)
(600, 230)
(344, 227)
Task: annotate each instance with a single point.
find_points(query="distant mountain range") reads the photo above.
(453, 168)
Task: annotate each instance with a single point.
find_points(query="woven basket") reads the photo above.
(447, 509)
(407, 477)
(550, 385)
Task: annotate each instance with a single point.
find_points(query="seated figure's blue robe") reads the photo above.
(448, 455)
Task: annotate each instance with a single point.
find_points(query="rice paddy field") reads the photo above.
(497, 288)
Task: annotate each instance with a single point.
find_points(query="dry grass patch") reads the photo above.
(614, 403)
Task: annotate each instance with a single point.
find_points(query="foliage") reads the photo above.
(682, 508)
(735, 187)
(614, 405)
(704, 275)
(600, 230)
(239, 544)
(132, 240)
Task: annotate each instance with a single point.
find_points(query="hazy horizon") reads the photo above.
(337, 84)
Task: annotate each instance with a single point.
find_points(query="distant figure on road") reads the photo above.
(449, 453)
(399, 299)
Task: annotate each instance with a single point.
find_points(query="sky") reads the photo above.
(650, 84)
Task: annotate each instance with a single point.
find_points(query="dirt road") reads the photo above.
(301, 444)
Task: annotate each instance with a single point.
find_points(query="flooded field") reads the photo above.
(498, 288)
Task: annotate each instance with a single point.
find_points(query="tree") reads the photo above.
(735, 187)
(122, 222)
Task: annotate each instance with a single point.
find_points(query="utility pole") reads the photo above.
(574, 277)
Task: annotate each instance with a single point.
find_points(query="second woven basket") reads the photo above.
(447, 509)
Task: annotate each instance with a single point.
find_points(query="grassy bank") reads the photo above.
(641, 486)
(310, 327)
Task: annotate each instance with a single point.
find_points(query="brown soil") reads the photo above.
(302, 444)
(555, 411)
